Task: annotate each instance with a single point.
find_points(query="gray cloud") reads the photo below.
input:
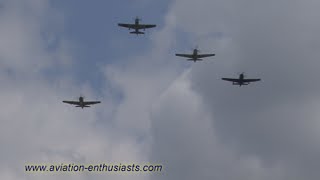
(36, 127)
(273, 122)
(198, 126)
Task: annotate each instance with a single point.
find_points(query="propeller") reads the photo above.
(137, 18)
(242, 74)
(197, 48)
(81, 95)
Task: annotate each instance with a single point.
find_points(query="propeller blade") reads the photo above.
(137, 18)
(195, 49)
(81, 95)
(242, 73)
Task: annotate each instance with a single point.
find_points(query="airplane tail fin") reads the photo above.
(137, 32)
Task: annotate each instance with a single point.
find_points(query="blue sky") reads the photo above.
(93, 28)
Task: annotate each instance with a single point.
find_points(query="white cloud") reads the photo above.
(270, 120)
(36, 127)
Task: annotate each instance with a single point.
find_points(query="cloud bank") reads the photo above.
(159, 109)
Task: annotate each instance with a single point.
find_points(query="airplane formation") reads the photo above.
(194, 56)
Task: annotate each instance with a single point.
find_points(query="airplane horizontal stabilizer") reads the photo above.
(136, 32)
(194, 59)
(83, 106)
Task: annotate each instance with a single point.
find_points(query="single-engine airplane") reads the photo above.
(81, 103)
(241, 80)
(195, 56)
(137, 26)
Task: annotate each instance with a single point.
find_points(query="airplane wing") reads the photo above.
(126, 25)
(230, 79)
(250, 80)
(91, 102)
(205, 55)
(145, 26)
(185, 55)
(72, 102)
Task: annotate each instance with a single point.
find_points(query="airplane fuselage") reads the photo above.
(241, 77)
(136, 27)
(241, 80)
(136, 22)
(195, 52)
(195, 55)
(81, 102)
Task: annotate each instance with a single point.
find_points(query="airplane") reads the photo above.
(137, 26)
(81, 103)
(241, 81)
(195, 56)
